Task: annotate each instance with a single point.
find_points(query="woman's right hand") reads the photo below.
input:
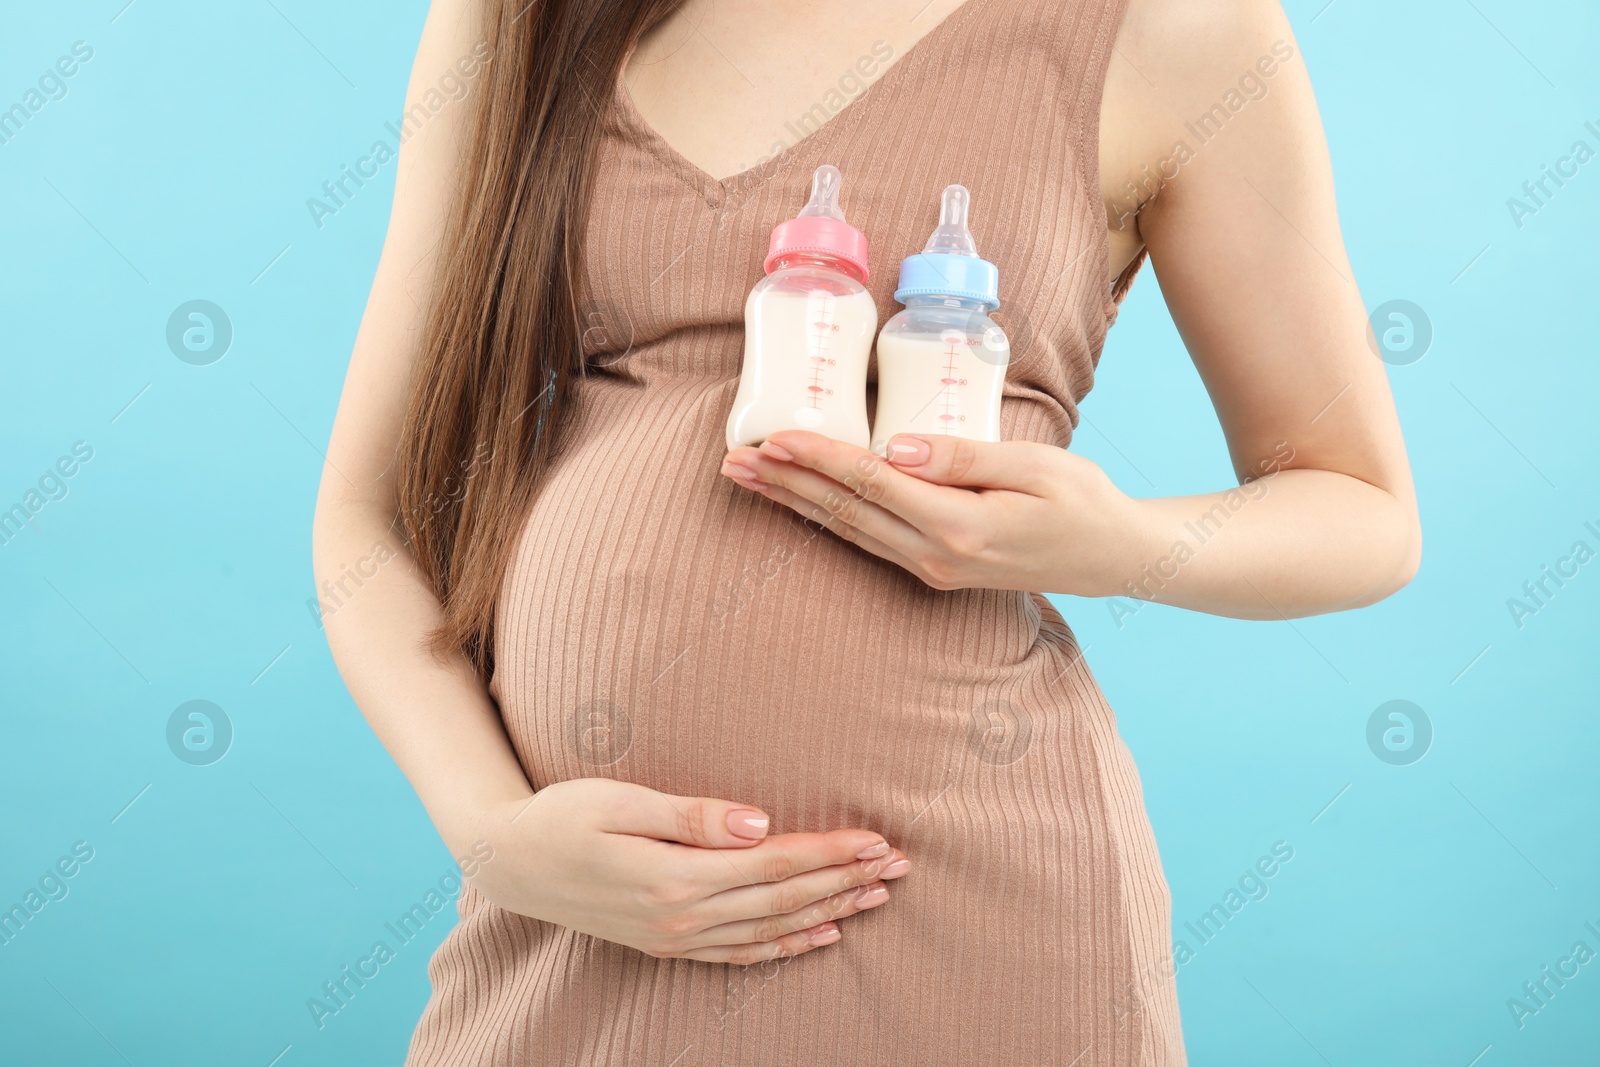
(683, 877)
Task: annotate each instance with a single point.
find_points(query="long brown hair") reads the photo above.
(502, 348)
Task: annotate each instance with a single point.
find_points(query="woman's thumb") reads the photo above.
(699, 821)
(945, 459)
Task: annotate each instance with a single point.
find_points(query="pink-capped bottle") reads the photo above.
(808, 328)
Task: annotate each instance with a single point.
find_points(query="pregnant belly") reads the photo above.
(664, 626)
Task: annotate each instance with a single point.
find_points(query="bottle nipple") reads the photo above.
(952, 236)
(824, 202)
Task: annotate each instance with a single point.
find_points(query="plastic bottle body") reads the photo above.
(807, 338)
(941, 370)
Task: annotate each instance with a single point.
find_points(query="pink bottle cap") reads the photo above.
(820, 228)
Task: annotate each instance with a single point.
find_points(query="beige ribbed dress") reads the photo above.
(664, 626)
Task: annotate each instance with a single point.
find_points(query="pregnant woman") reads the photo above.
(780, 756)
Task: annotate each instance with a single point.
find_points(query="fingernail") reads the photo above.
(747, 823)
(776, 451)
(871, 895)
(742, 476)
(826, 934)
(872, 852)
(896, 869)
(908, 451)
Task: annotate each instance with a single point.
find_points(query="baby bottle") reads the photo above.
(942, 361)
(808, 328)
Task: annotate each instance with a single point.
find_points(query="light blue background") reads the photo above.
(177, 567)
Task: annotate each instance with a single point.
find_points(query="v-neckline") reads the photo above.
(715, 190)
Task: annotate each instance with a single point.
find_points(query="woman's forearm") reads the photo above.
(431, 713)
(1294, 543)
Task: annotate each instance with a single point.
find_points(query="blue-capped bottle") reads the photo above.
(942, 361)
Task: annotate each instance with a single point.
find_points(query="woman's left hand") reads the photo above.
(956, 513)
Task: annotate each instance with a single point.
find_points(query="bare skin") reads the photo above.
(693, 877)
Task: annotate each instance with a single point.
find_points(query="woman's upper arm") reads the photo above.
(1244, 237)
(449, 67)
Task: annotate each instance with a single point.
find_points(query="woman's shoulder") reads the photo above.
(1181, 73)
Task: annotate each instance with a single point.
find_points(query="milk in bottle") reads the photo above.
(942, 361)
(808, 328)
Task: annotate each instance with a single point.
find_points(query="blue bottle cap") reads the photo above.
(949, 265)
